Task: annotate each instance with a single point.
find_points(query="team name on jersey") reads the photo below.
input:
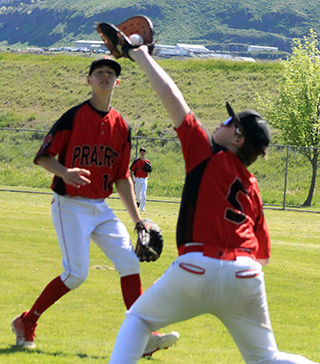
(88, 155)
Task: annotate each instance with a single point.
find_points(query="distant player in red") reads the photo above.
(92, 143)
(222, 237)
(140, 180)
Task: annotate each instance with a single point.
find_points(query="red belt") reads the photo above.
(215, 252)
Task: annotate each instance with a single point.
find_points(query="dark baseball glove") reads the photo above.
(117, 38)
(147, 167)
(150, 241)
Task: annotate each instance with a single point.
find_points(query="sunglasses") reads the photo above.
(233, 121)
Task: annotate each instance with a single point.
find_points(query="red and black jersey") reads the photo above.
(97, 141)
(221, 203)
(137, 168)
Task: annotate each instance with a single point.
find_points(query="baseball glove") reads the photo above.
(150, 241)
(147, 167)
(117, 38)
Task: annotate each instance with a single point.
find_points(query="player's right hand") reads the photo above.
(77, 177)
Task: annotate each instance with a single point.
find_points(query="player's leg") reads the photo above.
(113, 239)
(24, 325)
(68, 216)
(131, 340)
(244, 312)
(143, 193)
(73, 219)
(137, 190)
(175, 297)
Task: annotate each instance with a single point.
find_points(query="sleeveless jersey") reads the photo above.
(86, 138)
(136, 168)
(221, 204)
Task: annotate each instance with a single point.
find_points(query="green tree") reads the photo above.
(295, 110)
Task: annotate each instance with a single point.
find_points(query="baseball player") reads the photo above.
(222, 236)
(93, 144)
(139, 169)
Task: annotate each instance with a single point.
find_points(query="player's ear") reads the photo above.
(117, 83)
(238, 140)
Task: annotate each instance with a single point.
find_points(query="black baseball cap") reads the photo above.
(142, 149)
(255, 128)
(107, 62)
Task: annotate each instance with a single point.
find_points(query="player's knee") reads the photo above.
(128, 266)
(73, 281)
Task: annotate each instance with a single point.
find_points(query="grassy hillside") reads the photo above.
(36, 89)
(213, 23)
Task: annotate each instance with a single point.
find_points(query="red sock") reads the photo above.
(131, 289)
(54, 290)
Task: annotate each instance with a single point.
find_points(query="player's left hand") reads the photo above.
(117, 38)
(147, 167)
(150, 240)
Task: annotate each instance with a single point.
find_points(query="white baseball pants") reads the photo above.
(193, 285)
(77, 220)
(140, 188)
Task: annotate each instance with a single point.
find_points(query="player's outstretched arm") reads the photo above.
(163, 85)
(75, 177)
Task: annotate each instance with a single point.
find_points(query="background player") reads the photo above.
(93, 144)
(222, 237)
(140, 180)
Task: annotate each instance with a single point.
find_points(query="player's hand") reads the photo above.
(136, 52)
(77, 177)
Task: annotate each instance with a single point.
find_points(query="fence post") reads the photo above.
(137, 146)
(285, 181)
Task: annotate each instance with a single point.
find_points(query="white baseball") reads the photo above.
(136, 39)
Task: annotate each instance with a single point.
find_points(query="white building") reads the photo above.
(215, 55)
(253, 48)
(196, 49)
(174, 52)
(90, 44)
(180, 50)
(159, 48)
(247, 59)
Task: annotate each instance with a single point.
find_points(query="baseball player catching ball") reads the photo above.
(93, 145)
(222, 236)
(140, 169)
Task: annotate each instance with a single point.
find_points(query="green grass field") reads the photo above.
(82, 326)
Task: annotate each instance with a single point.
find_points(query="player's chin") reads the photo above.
(105, 88)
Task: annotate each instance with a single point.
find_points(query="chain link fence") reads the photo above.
(284, 177)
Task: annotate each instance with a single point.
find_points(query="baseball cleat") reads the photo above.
(24, 332)
(160, 341)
